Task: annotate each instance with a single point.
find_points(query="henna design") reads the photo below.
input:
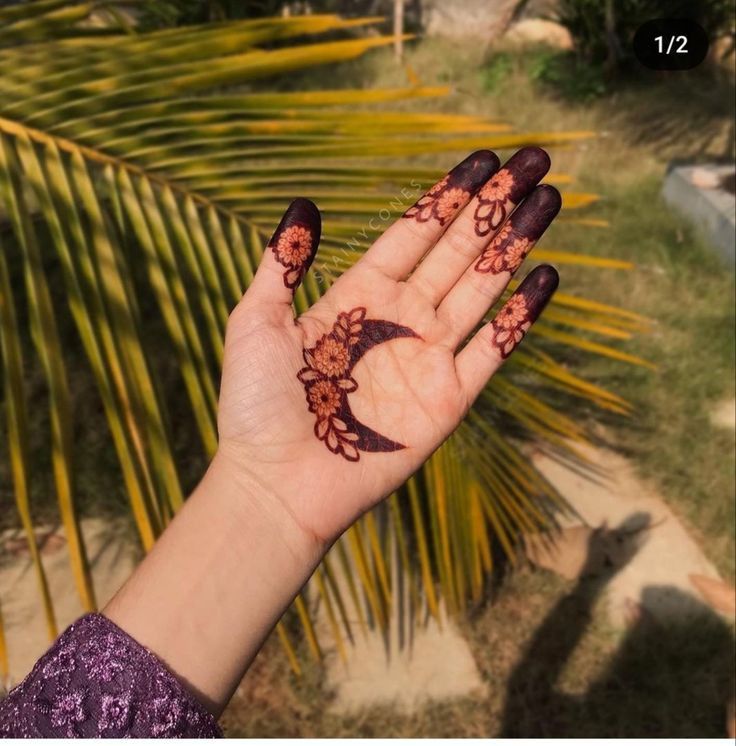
(328, 380)
(294, 243)
(507, 187)
(520, 232)
(522, 309)
(447, 197)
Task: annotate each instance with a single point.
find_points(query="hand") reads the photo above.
(332, 411)
(322, 416)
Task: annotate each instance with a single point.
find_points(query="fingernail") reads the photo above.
(295, 241)
(508, 186)
(520, 232)
(523, 308)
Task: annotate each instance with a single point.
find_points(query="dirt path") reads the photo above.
(111, 557)
(403, 669)
(666, 554)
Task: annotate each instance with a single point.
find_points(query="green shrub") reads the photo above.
(495, 72)
(602, 30)
(567, 75)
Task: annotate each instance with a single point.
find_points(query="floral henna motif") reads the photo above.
(522, 309)
(328, 380)
(447, 197)
(520, 232)
(493, 202)
(294, 243)
(507, 187)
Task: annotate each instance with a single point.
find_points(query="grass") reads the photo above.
(673, 682)
(647, 681)
(677, 281)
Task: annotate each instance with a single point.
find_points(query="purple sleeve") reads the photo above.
(96, 680)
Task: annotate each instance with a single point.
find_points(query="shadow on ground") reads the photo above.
(640, 692)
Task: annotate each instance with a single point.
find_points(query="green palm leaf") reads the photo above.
(160, 155)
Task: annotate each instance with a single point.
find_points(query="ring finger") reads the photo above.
(483, 283)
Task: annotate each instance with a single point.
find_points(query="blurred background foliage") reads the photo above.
(141, 173)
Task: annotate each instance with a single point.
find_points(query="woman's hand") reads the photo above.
(322, 416)
(330, 412)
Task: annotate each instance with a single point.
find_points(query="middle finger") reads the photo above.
(477, 223)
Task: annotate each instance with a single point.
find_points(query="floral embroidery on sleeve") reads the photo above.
(97, 681)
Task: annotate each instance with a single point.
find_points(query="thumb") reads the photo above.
(288, 255)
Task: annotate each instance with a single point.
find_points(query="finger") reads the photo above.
(288, 255)
(483, 283)
(398, 250)
(473, 229)
(488, 349)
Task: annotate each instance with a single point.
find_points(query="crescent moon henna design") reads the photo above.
(522, 309)
(327, 380)
(294, 243)
(507, 187)
(520, 232)
(448, 196)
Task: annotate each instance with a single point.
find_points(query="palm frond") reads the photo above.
(163, 155)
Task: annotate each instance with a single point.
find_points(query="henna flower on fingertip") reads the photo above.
(449, 202)
(294, 246)
(498, 187)
(511, 324)
(513, 313)
(493, 202)
(448, 196)
(516, 253)
(523, 308)
(294, 242)
(505, 253)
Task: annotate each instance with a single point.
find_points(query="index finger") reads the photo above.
(400, 248)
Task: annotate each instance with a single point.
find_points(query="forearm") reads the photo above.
(216, 582)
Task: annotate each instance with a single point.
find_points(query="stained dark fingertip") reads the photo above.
(548, 198)
(538, 287)
(535, 214)
(544, 277)
(475, 170)
(303, 210)
(526, 168)
(522, 309)
(295, 241)
(532, 161)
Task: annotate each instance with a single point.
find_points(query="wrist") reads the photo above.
(250, 498)
(217, 580)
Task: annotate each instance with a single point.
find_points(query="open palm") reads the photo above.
(339, 407)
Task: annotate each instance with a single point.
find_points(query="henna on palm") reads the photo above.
(295, 241)
(520, 232)
(328, 380)
(522, 309)
(507, 187)
(448, 196)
